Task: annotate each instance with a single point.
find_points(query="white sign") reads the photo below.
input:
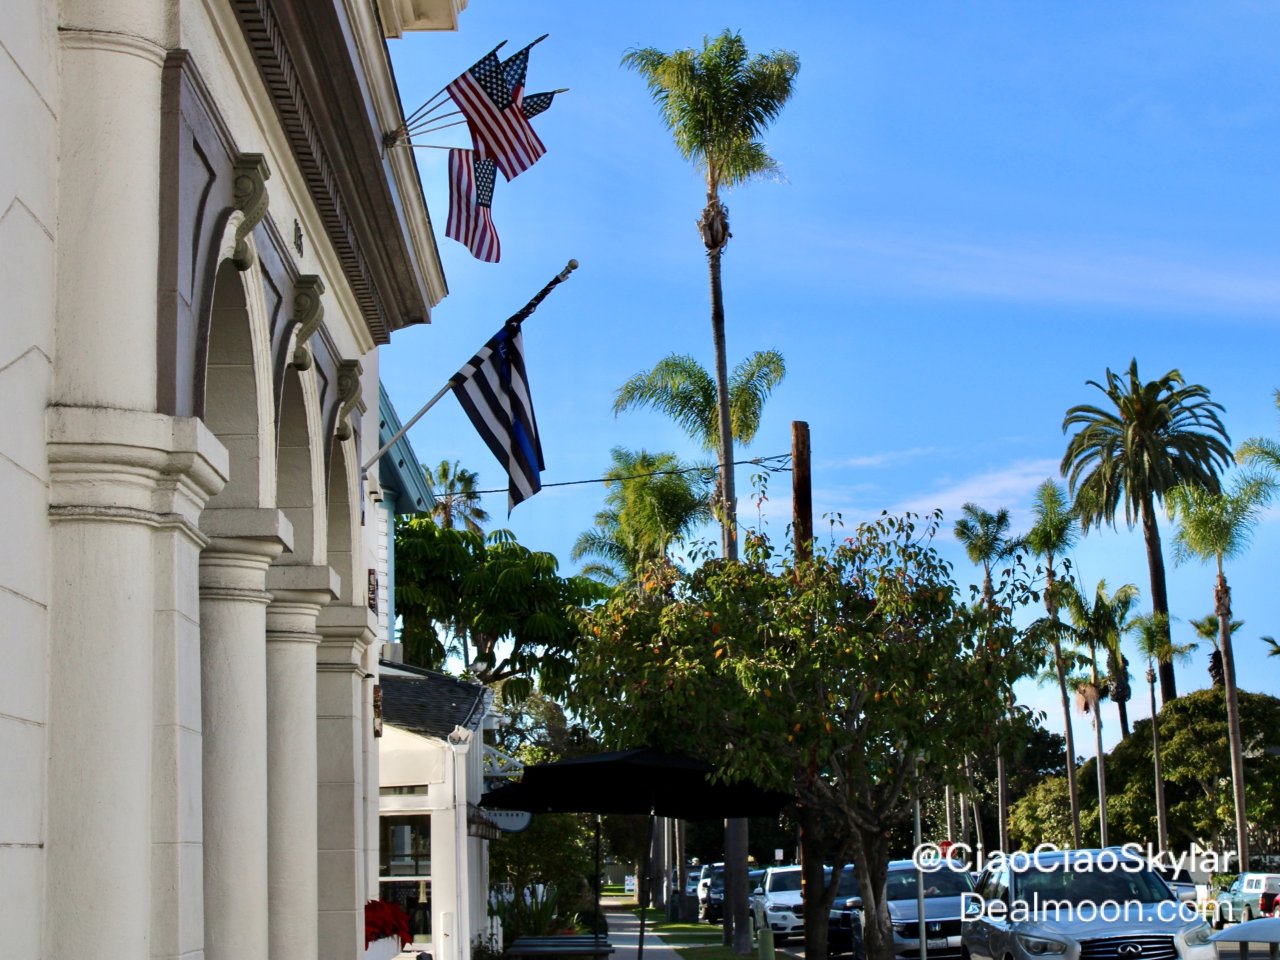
(629, 883)
(512, 821)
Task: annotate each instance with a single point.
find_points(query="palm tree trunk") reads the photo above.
(1122, 708)
(1162, 816)
(1159, 593)
(1071, 741)
(1222, 606)
(1102, 760)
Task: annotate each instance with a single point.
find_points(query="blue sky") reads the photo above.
(982, 206)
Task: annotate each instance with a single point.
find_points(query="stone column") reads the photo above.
(122, 481)
(298, 594)
(342, 731)
(233, 614)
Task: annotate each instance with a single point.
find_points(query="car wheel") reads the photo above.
(1248, 914)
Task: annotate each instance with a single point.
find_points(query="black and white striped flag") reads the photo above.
(494, 391)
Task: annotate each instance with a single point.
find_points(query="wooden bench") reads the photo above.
(576, 946)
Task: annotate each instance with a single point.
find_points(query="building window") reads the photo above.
(405, 864)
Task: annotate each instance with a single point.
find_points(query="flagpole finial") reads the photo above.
(569, 267)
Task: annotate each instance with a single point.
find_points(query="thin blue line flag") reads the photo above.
(493, 389)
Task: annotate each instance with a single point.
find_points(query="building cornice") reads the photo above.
(308, 58)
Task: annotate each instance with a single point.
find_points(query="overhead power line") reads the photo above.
(774, 464)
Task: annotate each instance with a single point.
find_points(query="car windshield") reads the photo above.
(848, 884)
(1088, 886)
(939, 883)
(784, 882)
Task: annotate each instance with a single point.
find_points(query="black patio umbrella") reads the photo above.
(643, 780)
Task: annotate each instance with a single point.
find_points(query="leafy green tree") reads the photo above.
(1055, 531)
(507, 601)
(852, 680)
(457, 500)
(1196, 766)
(1154, 436)
(1097, 625)
(1216, 526)
(651, 501)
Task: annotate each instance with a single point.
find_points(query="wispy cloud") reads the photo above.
(1011, 487)
(1029, 269)
(885, 458)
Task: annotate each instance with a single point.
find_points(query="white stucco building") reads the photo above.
(203, 244)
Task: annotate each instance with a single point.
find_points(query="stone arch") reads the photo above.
(300, 488)
(238, 391)
(343, 521)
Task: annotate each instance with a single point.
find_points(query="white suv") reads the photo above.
(777, 904)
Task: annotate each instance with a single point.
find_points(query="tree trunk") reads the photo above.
(1071, 739)
(818, 894)
(1162, 816)
(1159, 594)
(1222, 606)
(871, 860)
(1102, 759)
(1122, 708)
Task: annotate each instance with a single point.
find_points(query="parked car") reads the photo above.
(1247, 898)
(944, 892)
(844, 921)
(711, 893)
(1179, 881)
(1060, 904)
(776, 903)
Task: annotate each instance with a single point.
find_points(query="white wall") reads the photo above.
(28, 195)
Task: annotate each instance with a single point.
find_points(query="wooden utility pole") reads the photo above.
(801, 491)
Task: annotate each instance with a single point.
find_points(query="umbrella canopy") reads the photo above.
(1266, 930)
(643, 780)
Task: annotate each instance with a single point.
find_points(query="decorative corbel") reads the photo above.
(249, 196)
(308, 311)
(348, 395)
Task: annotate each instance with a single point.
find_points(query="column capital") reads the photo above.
(132, 466)
(298, 593)
(347, 631)
(243, 543)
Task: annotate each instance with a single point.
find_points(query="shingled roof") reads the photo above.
(430, 703)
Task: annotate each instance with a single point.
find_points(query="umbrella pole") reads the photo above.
(599, 916)
(648, 862)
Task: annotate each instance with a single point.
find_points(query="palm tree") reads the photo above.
(1273, 644)
(1262, 452)
(1054, 533)
(457, 501)
(1155, 644)
(1118, 687)
(1095, 627)
(1155, 436)
(1217, 527)
(1207, 629)
(681, 387)
(985, 538)
(652, 501)
(717, 102)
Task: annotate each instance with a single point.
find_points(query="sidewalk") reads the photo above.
(624, 934)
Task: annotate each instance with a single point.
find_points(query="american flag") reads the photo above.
(470, 222)
(535, 103)
(499, 129)
(493, 389)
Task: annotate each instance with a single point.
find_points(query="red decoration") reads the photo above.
(383, 919)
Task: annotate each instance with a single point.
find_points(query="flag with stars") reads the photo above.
(471, 182)
(535, 103)
(499, 129)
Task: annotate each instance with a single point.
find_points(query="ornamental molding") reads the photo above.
(308, 314)
(249, 197)
(348, 395)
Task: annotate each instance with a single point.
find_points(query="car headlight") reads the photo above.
(775, 908)
(1197, 936)
(1041, 946)
(907, 931)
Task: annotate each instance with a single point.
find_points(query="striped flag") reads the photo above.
(499, 129)
(494, 391)
(470, 220)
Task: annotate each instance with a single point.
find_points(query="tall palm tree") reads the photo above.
(1207, 628)
(681, 387)
(718, 102)
(457, 502)
(1055, 531)
(1155, 644)
(652, 500)
(1119, 690)
(986, 541)
(1217, 527)
(1154, 436)
(1095, 624)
